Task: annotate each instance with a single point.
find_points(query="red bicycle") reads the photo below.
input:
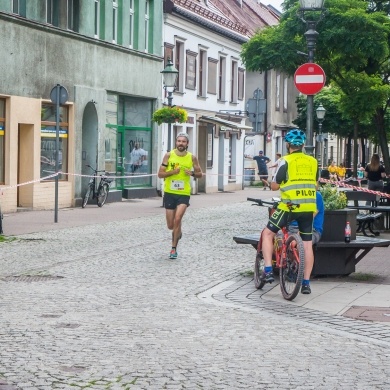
(289, 256)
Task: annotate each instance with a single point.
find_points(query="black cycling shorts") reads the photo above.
(279, 219)
(171, 201)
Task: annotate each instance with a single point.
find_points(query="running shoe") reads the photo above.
(268, 277)
(173, 254)
(306, 289)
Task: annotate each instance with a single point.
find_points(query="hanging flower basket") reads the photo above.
(170, 115)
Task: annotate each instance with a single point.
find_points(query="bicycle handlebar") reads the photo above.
(95, 170)
(261, 202)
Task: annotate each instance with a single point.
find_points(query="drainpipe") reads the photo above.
(266, 111)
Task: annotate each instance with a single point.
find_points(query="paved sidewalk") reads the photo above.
(94, 302)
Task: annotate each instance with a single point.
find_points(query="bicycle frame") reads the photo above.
(288, 259)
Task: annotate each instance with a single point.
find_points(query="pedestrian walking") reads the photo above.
(176, 169)
(297, 186)
(262, 162)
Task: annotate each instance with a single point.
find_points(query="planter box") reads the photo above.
(334, 224)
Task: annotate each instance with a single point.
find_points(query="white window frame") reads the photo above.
(114, 21)
(147, 20)
(202, 71)
(131, 24)
(15, 7)
(285, 100)
(221, 78)
(97, 19)
(234, 82)
(277, 95)
(181, 68)
(49, 11)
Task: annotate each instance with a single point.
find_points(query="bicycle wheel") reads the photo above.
(291, 267)
(86, 197)
(259, 270)
(102, 194)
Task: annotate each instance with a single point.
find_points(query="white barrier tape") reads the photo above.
(112, 177)
(342, 184)
(29, 182)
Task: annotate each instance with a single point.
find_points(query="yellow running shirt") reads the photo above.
(179, 184)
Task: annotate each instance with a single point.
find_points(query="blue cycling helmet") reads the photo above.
(295, 137)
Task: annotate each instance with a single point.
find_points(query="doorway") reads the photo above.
(25, 164)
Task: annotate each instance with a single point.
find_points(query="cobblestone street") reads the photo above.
(102, 307)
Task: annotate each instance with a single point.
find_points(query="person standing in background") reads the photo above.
(332, 171)
(341, 172)
(375, 173)
(262, 162)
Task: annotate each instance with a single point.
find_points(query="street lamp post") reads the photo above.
(320, 112)
(311, 37)
(169, 77)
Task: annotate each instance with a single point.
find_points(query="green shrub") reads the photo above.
(333, 199)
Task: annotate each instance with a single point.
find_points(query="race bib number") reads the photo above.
(177, 185)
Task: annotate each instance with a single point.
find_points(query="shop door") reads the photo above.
(120, 161)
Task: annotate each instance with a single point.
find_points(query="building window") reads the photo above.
(131, 22)
(179, 64)
(212, 76)
(202, 73)
(168, 53)
(97, 18)
(241, 84)
(15, 6)
(221, 78)
(234, 82)
(191, 70)
(48, 140)
(114, 21)
(277, 95)
(49, 11)
(285, 94)
(73, 15)
(2, 139)
(147, 17)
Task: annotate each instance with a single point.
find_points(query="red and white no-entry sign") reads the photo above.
(309, 78)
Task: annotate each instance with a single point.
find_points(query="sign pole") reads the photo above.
(57, 151)
(58, 95)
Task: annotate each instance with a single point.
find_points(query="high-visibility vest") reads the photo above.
(300, 187)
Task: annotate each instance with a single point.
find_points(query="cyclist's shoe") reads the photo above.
(306, 289)
(268, 277)
(173, 254)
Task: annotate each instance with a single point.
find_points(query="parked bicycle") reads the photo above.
(289, 256)
(101, 192)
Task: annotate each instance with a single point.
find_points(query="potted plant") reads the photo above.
(336, 214)
(170, 114)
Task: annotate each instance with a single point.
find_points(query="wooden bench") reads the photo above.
(332, 257)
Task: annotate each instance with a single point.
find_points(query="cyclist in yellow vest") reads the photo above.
(296, 177)
(176, 169)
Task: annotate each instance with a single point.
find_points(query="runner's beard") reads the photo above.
(181, 148)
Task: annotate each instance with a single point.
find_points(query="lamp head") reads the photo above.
(170, 74)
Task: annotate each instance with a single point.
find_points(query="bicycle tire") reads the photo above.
(291, 268)
(259, 270)
(86, 197)
(102, 194)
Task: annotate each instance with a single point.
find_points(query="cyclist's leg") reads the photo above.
(276, 221)
(305, 223)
